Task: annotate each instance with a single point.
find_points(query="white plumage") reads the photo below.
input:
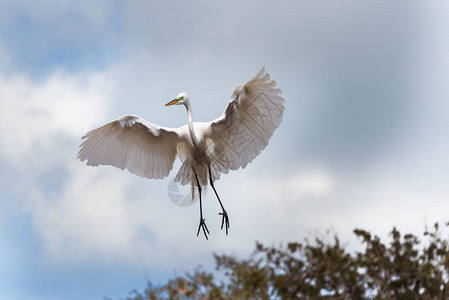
(206, 149)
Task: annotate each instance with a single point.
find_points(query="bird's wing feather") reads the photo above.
(244, 129)
(132, 143)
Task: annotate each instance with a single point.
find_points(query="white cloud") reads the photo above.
(311, 183)
(33, 113)
(88, 217)
(41, 123)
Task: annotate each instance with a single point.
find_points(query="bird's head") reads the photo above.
(182, 98)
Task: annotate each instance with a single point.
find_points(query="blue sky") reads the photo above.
(364, 141)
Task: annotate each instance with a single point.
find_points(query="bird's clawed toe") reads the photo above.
(224, 220)
(204, 227)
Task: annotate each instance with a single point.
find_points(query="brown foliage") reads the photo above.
(405, 268)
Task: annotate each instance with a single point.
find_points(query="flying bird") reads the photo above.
(206, 149)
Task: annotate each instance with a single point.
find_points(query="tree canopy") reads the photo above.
(406, 267)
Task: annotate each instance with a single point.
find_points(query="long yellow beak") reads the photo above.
(174, 101)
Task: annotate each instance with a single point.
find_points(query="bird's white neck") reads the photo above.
(190, 122)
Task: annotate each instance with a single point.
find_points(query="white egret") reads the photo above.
(206, 149)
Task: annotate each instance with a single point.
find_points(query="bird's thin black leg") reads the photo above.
(202, 220)
(225, 218)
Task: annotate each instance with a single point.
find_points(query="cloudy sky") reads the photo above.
(364, 142)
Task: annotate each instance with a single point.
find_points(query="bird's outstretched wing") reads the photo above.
(244, 129)
(132, 143)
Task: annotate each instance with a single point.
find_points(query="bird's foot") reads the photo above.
(204, 227)
(224, 220)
